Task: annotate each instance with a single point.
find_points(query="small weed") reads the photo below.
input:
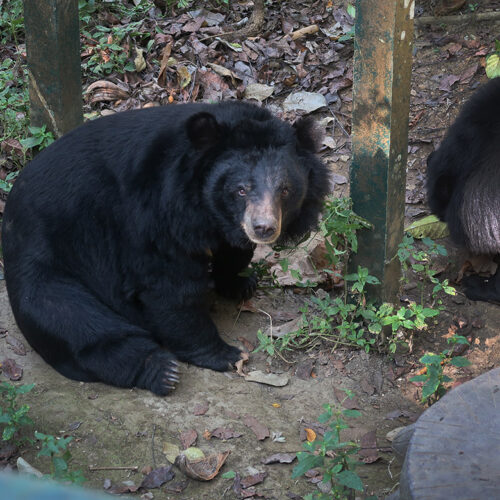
(110, 48)
(107, 55)
(6, 185)
(352, 320)
(332, 456)
(86, 10)
(12, 416)
(13, 99)
(419, 261)
(11, 21)
(433, 376)
(40, 138)
(266, 343)
(57, 449)
(338, 226)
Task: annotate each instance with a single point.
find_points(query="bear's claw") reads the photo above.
(160, 374)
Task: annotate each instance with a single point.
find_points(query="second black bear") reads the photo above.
(463, 183)
(107, 234)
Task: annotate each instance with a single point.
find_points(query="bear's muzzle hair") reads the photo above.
(262, 220)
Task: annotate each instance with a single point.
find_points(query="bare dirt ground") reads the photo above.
(115, 427)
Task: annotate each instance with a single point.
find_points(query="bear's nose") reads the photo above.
(264, 229)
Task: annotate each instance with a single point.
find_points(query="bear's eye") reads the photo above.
(242, 191)
(285, 192)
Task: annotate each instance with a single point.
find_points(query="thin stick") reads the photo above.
(153, 446)
(133, 468)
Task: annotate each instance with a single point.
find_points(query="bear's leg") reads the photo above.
(228, 262)
(181, 323)
(193, 338)
(85, 340)
(487, 289)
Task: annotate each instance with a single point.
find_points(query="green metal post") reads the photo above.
(381, 96)
(53, 50)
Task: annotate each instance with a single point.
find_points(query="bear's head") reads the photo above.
(263, 182)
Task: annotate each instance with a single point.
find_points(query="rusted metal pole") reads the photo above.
(381, 96)
(53, 51)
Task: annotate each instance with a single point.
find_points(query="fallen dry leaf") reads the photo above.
(304, 369)
(177, 487)
(103, 90)
(310, 434)
(201, 408)
(125, 487)
(260, 430)
(170, 450)
(224, 433)
(252, 480)
(16, 345)
(203, 469)
(368, 447)
(188, 438)
(239, 364)
(157, 477)
(350, 404)
(12, 369)
(285, 328)
(248, 345)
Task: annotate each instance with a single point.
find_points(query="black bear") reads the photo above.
(109, 233)
(463, 183)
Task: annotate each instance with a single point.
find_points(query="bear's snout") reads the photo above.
(265, 229)
(262, 220)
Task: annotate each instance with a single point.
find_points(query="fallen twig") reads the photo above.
(133, 468)
(459, 18)
(306, 30)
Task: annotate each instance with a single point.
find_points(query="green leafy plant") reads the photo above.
(6, 185)
(338, 226)
(12, 416)
(13, 99)
(352, 320)
(11, 21)
(86, 9)
(266, 343)
(332, 456)
(433, 376)
(419, 261)
(107, 55)
(40, 138)
(57, 450)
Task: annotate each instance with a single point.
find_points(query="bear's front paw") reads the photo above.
(237, 287)
(160, 374)
(220, 358)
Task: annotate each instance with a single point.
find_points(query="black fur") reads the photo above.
(463, 182)
(107, 235)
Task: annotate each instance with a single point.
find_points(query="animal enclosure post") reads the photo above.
(381, 95)
(53, 50)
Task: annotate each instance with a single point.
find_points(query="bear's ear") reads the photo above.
(203, 130)
(308, 134)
